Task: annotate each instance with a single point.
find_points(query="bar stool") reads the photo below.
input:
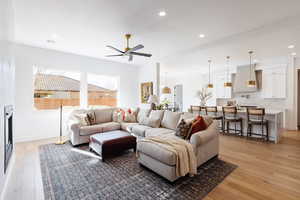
(195, 109)
(230, 116)
(200, 110)
(212, 111)
(255, 117)
(203, 110)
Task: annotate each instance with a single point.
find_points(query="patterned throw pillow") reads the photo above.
(91, 117)
(130, 116)
(119, 115)
(198, 125)
(82, 119)
(182, 129)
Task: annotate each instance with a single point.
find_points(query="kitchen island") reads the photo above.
(275, 119)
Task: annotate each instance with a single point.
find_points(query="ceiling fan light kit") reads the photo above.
(130, 52)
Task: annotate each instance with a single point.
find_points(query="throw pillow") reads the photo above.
(198, 125)
(119, 115)
(130, 116)
(91, 117)
(152, 122)
(182, 129)
(82, 119)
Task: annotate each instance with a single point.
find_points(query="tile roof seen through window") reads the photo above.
(49, 82)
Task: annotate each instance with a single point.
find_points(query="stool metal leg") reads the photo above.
(267, 130)
(241, 126)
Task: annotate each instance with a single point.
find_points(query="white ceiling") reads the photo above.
(232, 27)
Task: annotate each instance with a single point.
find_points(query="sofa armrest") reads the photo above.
(73, 126)
(205, 136)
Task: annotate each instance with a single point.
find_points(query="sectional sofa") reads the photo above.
(205, 143)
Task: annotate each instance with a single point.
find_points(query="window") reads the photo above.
(53, 88)
(102, 90)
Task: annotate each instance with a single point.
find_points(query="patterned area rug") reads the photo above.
(75, 174)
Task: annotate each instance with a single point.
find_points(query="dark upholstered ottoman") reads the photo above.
(111, 142)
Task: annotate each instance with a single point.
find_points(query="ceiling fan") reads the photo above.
(129, 51)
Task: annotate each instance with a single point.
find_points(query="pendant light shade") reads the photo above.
(251, 82)
(227, 83)
(209, 85)
(166, 89)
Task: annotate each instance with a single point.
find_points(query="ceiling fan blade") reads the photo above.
(141, 54)
(134, 49)
(114, 48)
(130, 58)
(114, 55)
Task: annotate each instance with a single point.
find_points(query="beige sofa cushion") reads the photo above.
(151, 122)
(170, 120)
(104, 115)
(187, 115)
(110, 126)
(157, 152)
(208, 120)
(139, 130)
(127, 126)
(89, 130)
(157, 114)
(142, 113)
(158, 131)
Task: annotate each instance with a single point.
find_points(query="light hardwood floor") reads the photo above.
(265, 171)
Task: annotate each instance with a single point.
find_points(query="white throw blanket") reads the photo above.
(185, 157)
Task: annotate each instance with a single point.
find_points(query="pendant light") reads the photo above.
(166, 89)
(209, 85)
(227, 83)
(251, 82)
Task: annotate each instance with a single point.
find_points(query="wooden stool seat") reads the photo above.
(233, 119)
(255, 117)
(212, 111)
(230, 116)
(217, 117)
(258, 122)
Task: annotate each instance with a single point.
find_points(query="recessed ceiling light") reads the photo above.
(162, 13)
(201, 36)
(291, 46)
(294, 54)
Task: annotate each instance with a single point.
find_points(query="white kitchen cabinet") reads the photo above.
(274, 83)
(220, 90)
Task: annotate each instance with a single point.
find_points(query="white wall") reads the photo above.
(6, 77)
(34, 124)
(149, 73)
(191, 82)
